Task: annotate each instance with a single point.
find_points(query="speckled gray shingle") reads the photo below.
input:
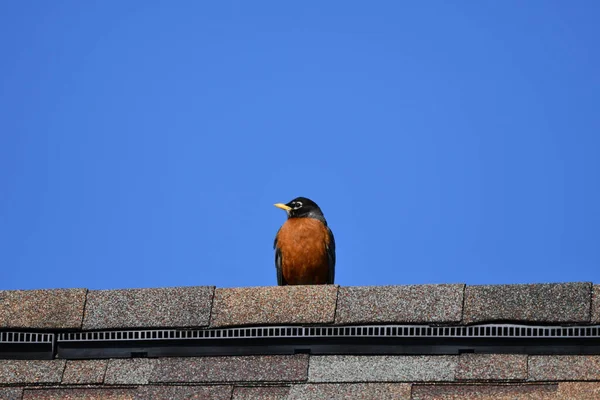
(78, 372)
(343, 391)
(260, 393)
(79, 394)
(129, 371)
(274, 305)
(231, 369)
(596, 304)
(492, 367)
(47, 309)
(11, 393)
(216, 392)
(399, 304)
(564, 368)
(485, 392)
(382, 368)
(560, 302)
(15, 372)
(148, 308)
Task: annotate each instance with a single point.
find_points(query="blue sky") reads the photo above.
(144, 143)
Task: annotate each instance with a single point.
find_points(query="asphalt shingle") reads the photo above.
(11, 393)
(78, 372)
(18, 372)
(492, 367)
(343, 391)
(231, 369)
(400, 304)
(596, 304)
(274, 305)
(382, 368)
(260, 393)
(148, 308)
(555, 303)
(564, 368)
(216, 392)
(42, 309)
(129, 371)
(79, 394)
(484, 392)
(578, 390)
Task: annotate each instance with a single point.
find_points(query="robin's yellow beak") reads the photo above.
(283, 206)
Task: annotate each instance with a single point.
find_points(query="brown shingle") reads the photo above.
(343, 391)
(274, 305)
(484, 392)
(129, 371)
(561, 302)
(79, 394)
(260, 393)
(48, 309)
(17, 372)
(11, 393)
(231, 369)
(564, 368)
(578, 390)
(492, 367)
(84, 372)
(382, 368)
(148, 308)
(217, 392)
(400, 304)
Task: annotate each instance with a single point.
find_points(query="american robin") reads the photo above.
(304, 245)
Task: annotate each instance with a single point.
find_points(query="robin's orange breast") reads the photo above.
(303, 246)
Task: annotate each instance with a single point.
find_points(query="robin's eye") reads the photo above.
(296, 205)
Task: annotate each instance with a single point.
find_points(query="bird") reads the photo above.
(304, 245)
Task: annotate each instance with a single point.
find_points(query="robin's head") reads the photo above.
(301, 207)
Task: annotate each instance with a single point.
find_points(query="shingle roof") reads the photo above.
(400, 304)
(57, 308)
(145, 308)
(303, 376)
(556, 303)
(274, 305)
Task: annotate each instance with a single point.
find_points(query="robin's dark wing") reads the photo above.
(331, 256)
(280, 280)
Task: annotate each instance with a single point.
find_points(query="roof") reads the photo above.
(302, 376)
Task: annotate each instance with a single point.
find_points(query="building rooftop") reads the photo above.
(469, 375)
